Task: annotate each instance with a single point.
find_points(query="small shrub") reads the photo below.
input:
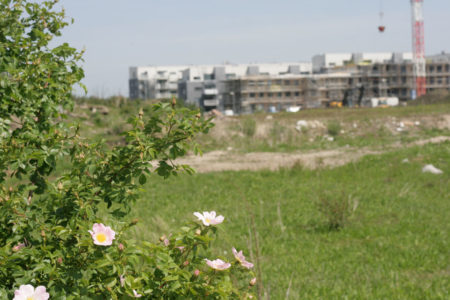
(249, 127)
(98, 120)
(333, 128)
(276, 132)
(336, 209)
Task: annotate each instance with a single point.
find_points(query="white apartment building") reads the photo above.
(159, 82)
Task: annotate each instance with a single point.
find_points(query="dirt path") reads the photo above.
(223, 160)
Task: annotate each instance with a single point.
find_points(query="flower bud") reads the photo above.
(198, 232)
(198, 115)
(162, 238)
(17, 247)
(134, 222)
(174, 101)
(59, 260)
(166, 242)
(196, 272)
(60, 185)
(42, 233)
(121, 247)
(253, 281)
(186, 263)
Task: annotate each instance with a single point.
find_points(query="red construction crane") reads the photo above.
(418, 41)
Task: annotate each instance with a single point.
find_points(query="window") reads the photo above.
(439, 69)
(287, 94)
(208, 77)
(296, 82)
(287, 82)
(447, 68)
(280, 95)
(250, 83)
(297, 94)
(269, 82)
(278, 82)
(431, 68)
(269, 95)
(261, 95)
(403, 69)
(252, 95)
(196, 78)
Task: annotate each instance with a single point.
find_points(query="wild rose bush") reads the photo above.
(64, 200)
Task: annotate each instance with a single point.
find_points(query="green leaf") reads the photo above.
(142, 179)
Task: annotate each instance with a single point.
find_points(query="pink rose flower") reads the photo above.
(241, 259)
(17, 247)
(136, 295)
(209, 218)
(122, 280)
(218, 264)
(102, 235)
(27, 292)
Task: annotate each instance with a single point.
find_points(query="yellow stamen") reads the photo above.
(208, 220)
(101, 237)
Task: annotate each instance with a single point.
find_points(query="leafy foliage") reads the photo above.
(45, 215)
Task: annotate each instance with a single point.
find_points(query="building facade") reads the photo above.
(201, 85)
(352, 79)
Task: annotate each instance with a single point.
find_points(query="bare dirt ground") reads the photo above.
(216, 161)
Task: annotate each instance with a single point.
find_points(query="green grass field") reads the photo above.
(374, 229)
(393, 245)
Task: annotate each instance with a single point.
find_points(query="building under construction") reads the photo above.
(345, 78)
(349, 79)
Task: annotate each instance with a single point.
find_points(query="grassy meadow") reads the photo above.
(393, 243)
(377, 228)
(350, 127)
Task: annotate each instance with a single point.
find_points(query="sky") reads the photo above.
(118, 34)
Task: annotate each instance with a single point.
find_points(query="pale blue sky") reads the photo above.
(118, 34)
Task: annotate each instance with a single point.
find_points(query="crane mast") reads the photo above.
(419, 63)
